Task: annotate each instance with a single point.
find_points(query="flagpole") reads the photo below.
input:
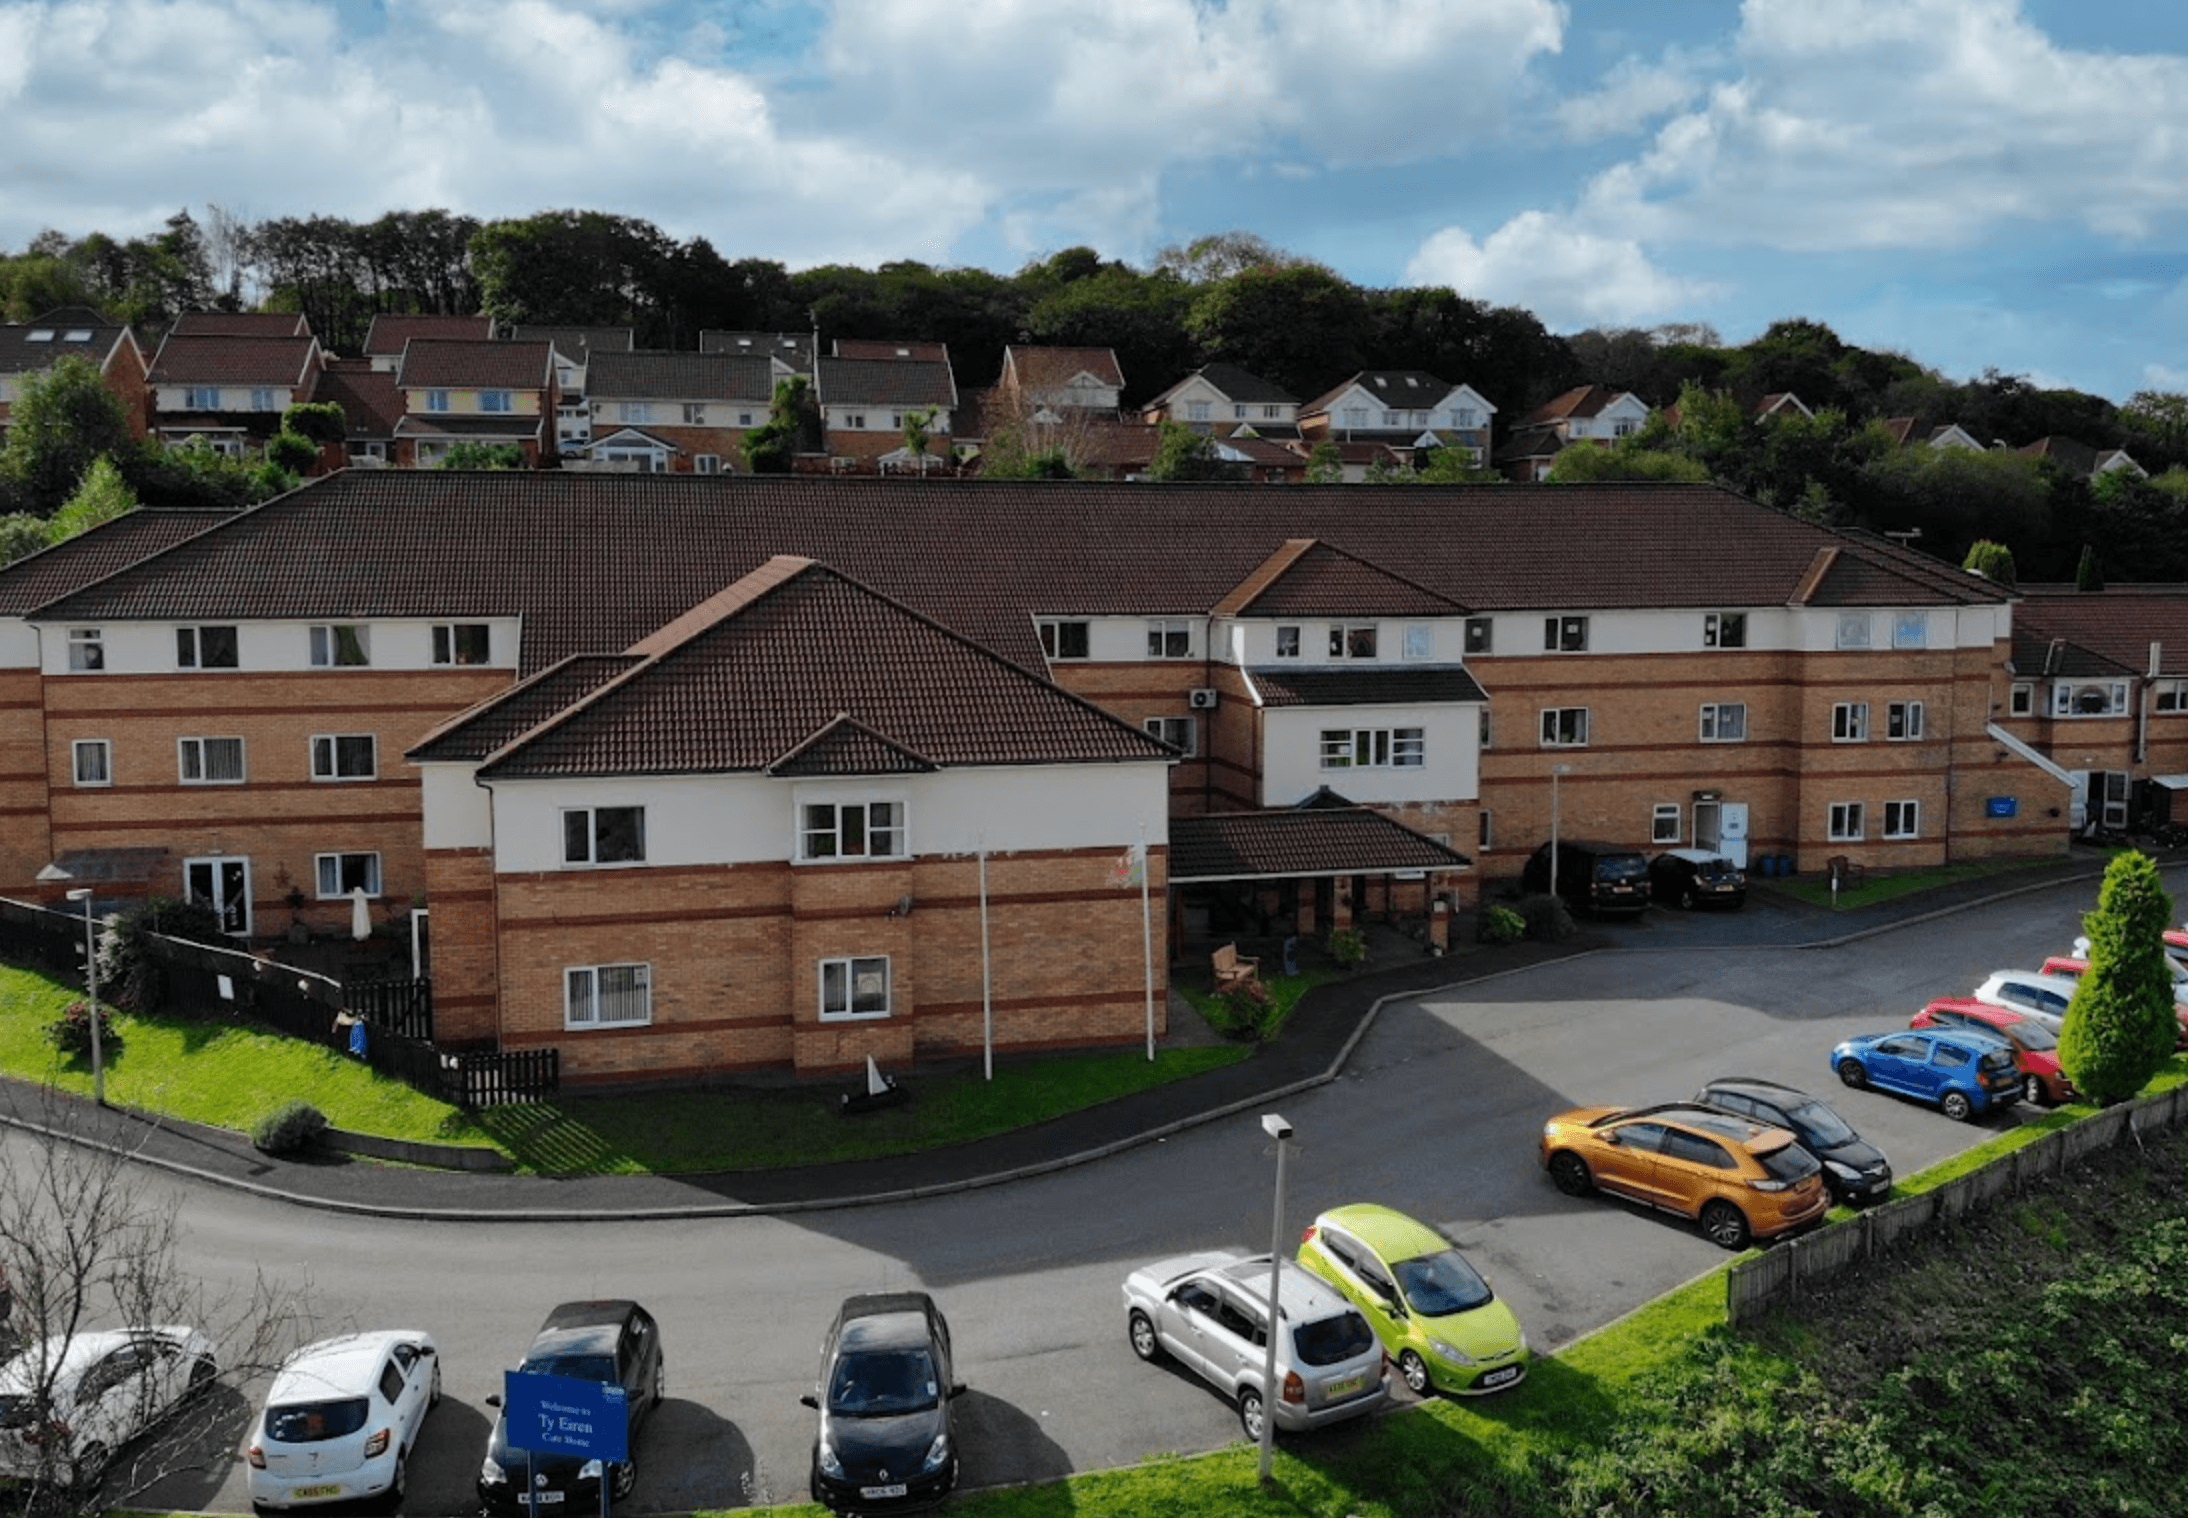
(1147, 942)
(987, 981)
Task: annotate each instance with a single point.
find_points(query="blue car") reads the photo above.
(1961, 1072)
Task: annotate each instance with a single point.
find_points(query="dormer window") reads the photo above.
(79, 335)
(1062, 639)
(1287, 642)
(1352, 640)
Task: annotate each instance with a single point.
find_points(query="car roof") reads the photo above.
(76, 1355)
(2059, 983)
(1988, 1011)
(340, 1367)
(1692, 856)
(1972, 1039)
(885, 1320)
(1744, 1131)
(1755, 1085)
(1387, 1231)
(596, 1326)
(1301, 1295)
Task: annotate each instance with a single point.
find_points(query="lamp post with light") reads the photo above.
(91, 994)
(1275, 1127)
(1555, 771)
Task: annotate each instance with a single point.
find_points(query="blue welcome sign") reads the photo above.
(2001, 806)
(558, 1415)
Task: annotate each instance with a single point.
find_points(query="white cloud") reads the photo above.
(1567, 275)
(1632, 94)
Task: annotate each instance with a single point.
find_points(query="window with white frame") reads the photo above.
(852, 830)
(1724, 629)
(201, 397)
(1903, 721)
(340, 645)
(497, 401)
(604, 835)
(706, 463)
(1910, 629)
(1850, 722)
(695, 413)
(1564, 726)
(1565, 635)
(344, 756)
(1349, 748)
(2170, 696)
(1181, 733)
(1480, 635)
(1356, 416)
(1724, 722)
(854, 988)
(436, 400)
(2021, 700)
(640, 412)
(262, 398)
(1198, 411)
(205, 648)
(1287, 642)
(2096, 698)
(91, 761)
(86, 648)
(1853, 629)
(1845, 823)
(461, 643)
(1485, 834)
(339, 874)
(1420, 640)
(607, 996)
(1902, 819)
(1169, 638)
(210, 761)
(1062, 638)
(1352, 640)
(854, 421)
(1666, 823)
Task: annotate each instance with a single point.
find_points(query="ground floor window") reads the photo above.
(1846, 822)
(854, 987)
(340, 874)
(1666, 823)
(602, 996)
(1902, 819)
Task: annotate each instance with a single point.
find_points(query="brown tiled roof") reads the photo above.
(24, 351)
(368, 397)
(1293, 842)
(438, 363)
(1584, 400)
(1263, 453)
(2114, 626)
(1399, 389)
(574, 342)
(503, 718)
(892, 349)
(1284, 686)
(388, 332)
(653, 375)
(220, 360)
(596, 560)
(769, 670)
(1321, 581)
(885, 382)
(240, 324)
(1044, 368)
(92, 556)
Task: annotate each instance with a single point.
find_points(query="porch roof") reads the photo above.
(1300, 843)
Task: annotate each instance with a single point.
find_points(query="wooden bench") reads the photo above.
(1233, 968)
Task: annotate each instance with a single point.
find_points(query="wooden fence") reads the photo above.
(220, 984)
(1782, 1272)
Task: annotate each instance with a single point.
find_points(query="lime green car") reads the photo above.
(1432, 1311)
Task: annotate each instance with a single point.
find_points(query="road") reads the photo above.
(1437, 1115)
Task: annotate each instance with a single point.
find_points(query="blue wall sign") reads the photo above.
(2001, 806)
(560, 1416)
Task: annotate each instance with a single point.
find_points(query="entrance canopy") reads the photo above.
(1290, 845)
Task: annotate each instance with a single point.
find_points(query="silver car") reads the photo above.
(1209, 1312)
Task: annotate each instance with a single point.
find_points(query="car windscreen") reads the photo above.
(18, 1409)
(881, 1383)
(311, 1422)
(1790, 1163)
(2031, 1035)
(1819, 1125)
(1621, 867)
(1717, 869)
(1332, 1341)
(573, 1367)
(1440, 1283)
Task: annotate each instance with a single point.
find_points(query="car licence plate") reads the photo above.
(871, 1492)
(1499, 1377)
(1344, 1387)
(307, 1493)
(540, 1497)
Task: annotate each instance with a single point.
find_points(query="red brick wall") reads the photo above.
(26, 839)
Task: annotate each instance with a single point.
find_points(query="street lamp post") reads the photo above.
(91, 994)
(1276, 1128)
(1555, 771)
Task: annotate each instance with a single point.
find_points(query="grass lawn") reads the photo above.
(1815, 889)
(1284, 994)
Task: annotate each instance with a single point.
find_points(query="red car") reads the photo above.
(2035, 1047)
(2069, 968)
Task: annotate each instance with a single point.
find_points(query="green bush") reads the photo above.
(71, 1032)
(1547, 917)
(1246, 1012)
(1347, 946)
(127, 971)
(290, 1128)
(1501, 925)
(2119, 1026)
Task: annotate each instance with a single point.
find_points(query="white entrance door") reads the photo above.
(224, 884)
(1721, 828)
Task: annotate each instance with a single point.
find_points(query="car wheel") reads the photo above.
(625, 1481)
(1144, 1342)
(1726, 1225)
(392, 1500)
(2032, 1092)
(1852, 1074)
(1249, 1413)
(1415, 1370)
(1686, 898)
(1570, 1172)
(84, 1472)
(1955, 1105)
(433, 1397)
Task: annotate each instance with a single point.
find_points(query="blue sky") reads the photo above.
(1976, 183)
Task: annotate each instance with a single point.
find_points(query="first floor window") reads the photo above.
(695, 413)
(854, 987)
(1420, 640)
(205, 648)
(1352, 642)
(436, 400)
(1062, 639)
(1169, 638)
(1910, 629)
(606, 996)
(1724, 629)
(1564, 726)
(1287, 642)
(1724, 722)
(1903, 721)
(1846, 822)
(1850, 722)
(93, 761)
(337, 645)
(2021, 700)
(1665, 823)
(1853, 629)
(461, 643)
(340, 874)
(201, 397)
(1480, 635)
(86, 648)
(211, 761)
(1565, 635)
(1902, 819)
(496, 400)
(604, 835)
(1178, 732)
(1346, 748)
(344, 756)
(2172, 695)
(853, 830)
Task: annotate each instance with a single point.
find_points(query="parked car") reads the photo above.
(1854, 1170)
(1697, 878)
(2043, 997)
(1437, 1319)
(884, 1395)
(613, 1342)
(2035, 1045)
(68, 1405)
(2063, 967)
(341, 1419)
(1740, 1178)
(1210, 1312)
(1963, 1072)
(1591, 877)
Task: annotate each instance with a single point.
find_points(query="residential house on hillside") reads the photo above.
(1587, 413)
(229, 392)
(385, 338)
(864, 403)
(1406, 409)
(791, 352)
(1224, 399)
(2082, 459)
(474, 391)
(32, 347)
(1057, 380)
(675, 412)
(372, 407)
(1949, 435)
(241, 324)
(573, 348)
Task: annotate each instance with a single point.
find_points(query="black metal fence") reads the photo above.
(386, 1023)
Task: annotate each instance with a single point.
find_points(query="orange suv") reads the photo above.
(1741, 1179)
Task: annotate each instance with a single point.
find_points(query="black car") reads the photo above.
(1854, 1169)
(1697, 878)
(584, 1341)
(884, 1399)
(1591, 877)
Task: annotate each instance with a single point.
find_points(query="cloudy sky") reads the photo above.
(1977, 183)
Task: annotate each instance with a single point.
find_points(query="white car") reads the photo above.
(2043, 997)
(341, 1419)
(67, 1405)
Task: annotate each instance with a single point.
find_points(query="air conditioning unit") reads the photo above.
(1203, 700)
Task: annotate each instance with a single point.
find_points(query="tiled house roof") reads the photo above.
(885, 382)
(1281, 685)
(892, 349)
(93, 555)
(652, 375)
(451, 364)
(219, 360)
(516, 711)
(2110, 629)
(387, 334)
(368, 397)
(1052, 368)
(1312, 579)
(1235, 384)
(794, 349)
(1312, 841)
(240, 324)
(1583, 400)
(29, 347)
(574, 342)
(1399, 389)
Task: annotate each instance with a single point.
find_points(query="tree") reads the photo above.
(1326, 465)
(103, 496)
(1993, 561)
(1296, 324)
(63, 419)
(1183, 454)
(321, 421)
(2119, 1026)
(916, 424)
(22, 535)
(770, 447)
(1221, 255)
(296, 453)
(2087, 574)
(482, 456)
(1584, 463)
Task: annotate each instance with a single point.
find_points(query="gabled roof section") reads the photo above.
(1432, 685)
(1398, 389)
(892, 349)
(2116, 626)
(493, 723)
(390, 331)
(849, 747)
(93, 555)
(240, 324)
(370, 401)
(28, 347)
(1582, 400)
(1311, 579)
(886, 382)
(441, 363)
(1053, 368)
(186, 359)
(650, 374)
(1233, 384)
(1292, 843)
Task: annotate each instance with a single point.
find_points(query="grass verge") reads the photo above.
(1816, 889)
